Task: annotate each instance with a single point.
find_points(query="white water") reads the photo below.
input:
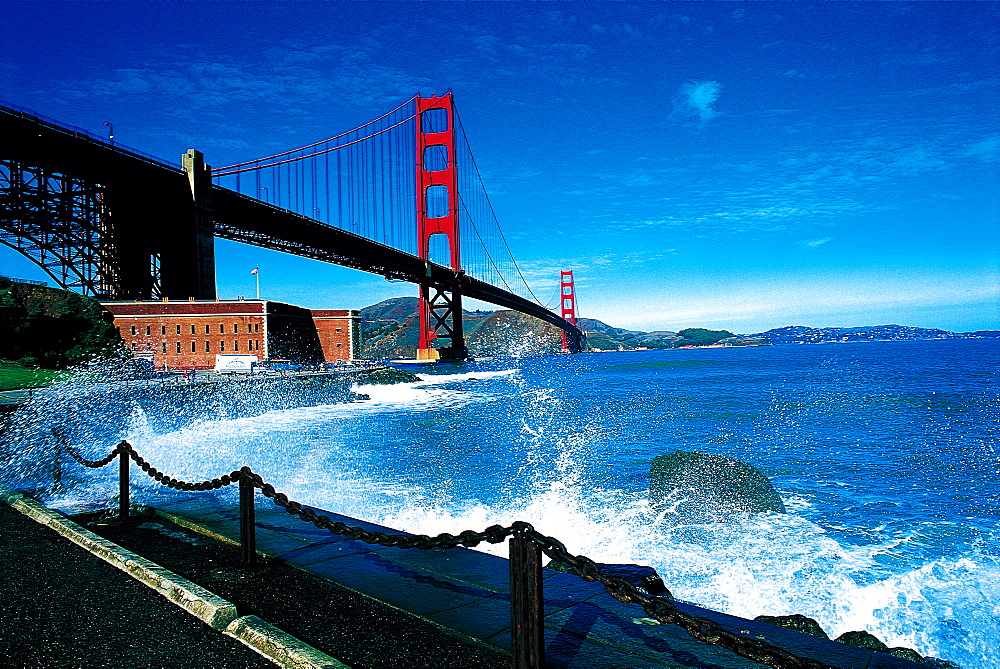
(359, 459)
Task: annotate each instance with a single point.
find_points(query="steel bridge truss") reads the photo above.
(444, 318)
(61, 223)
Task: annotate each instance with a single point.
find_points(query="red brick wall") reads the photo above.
(339, 333)
(175, 332)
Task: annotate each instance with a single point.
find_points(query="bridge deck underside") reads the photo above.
(152, 212)
(244, 219)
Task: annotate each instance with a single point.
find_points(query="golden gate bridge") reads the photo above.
(400, 196)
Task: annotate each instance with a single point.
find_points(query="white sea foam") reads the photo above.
(942, 603)
(766, 564)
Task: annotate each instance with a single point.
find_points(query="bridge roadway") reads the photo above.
(153, 213)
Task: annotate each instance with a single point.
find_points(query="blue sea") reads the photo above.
(885, 455)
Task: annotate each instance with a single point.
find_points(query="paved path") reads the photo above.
(468, 591)
(60, 606)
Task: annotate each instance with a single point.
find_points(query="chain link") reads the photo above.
(126, 448)
(663, 610)
(494, 534)
(93, 464)
(177, 484)
(666, 611)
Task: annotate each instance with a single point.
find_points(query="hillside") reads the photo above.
(800, 334)
(389, 329)
(52, 328)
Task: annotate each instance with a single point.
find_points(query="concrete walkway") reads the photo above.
(467, 591)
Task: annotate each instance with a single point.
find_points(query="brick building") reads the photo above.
(339, 332)
(188, 335)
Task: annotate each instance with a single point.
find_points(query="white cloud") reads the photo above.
(861, 298)
(697, 97)
(987, 150)
(812, 243)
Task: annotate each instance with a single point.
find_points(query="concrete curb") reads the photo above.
(211, 609)
(219, 614)
(279, 646)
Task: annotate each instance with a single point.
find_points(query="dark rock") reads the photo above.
(387, 376)
(940, 664)
(862, 640)
(702, 487)
(641, 576)
(796, 622)
(906, 654)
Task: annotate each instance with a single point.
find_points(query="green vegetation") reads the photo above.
(701, 337)
(44, 329)
(14, 376)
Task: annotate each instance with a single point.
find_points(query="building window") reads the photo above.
(163, 347)
(178, 329)
(178, 347)
(134, 330)
(222, 346)
(207, 331)
(339, 344)
(236, 328)
(193, 347)
(222, 328)
(208, 347)
(236, 345)
(249, 344)
(192, 329)
(147, 331)
(338, 329)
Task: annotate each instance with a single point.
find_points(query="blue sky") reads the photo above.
(726, 165)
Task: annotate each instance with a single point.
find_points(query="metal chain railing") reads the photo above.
(526, 547)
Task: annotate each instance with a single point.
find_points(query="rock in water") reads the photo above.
(700, 487)
(797, 622)
(862, 639)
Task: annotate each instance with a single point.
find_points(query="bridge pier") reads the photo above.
(102, 220)
(441, 317)
(161, 234)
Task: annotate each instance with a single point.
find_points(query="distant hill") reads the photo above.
(603, 337)
(800, 334)
(390, 329)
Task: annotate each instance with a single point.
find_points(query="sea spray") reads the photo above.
(890, 490)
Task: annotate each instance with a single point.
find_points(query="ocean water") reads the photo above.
(885, 455)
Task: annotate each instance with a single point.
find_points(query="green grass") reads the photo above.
(14, 376)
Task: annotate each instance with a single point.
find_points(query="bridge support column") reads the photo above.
(187, 253)
(437, 214)
(441, 315)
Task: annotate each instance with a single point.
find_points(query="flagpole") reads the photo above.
(256, 275)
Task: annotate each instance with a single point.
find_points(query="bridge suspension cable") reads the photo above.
(362, 181)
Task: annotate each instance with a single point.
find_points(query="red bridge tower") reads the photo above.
(437, 214)
(567, 303)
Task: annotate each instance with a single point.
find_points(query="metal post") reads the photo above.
(527, 610)
(123, 489)
(248, 540)
(57, 468)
